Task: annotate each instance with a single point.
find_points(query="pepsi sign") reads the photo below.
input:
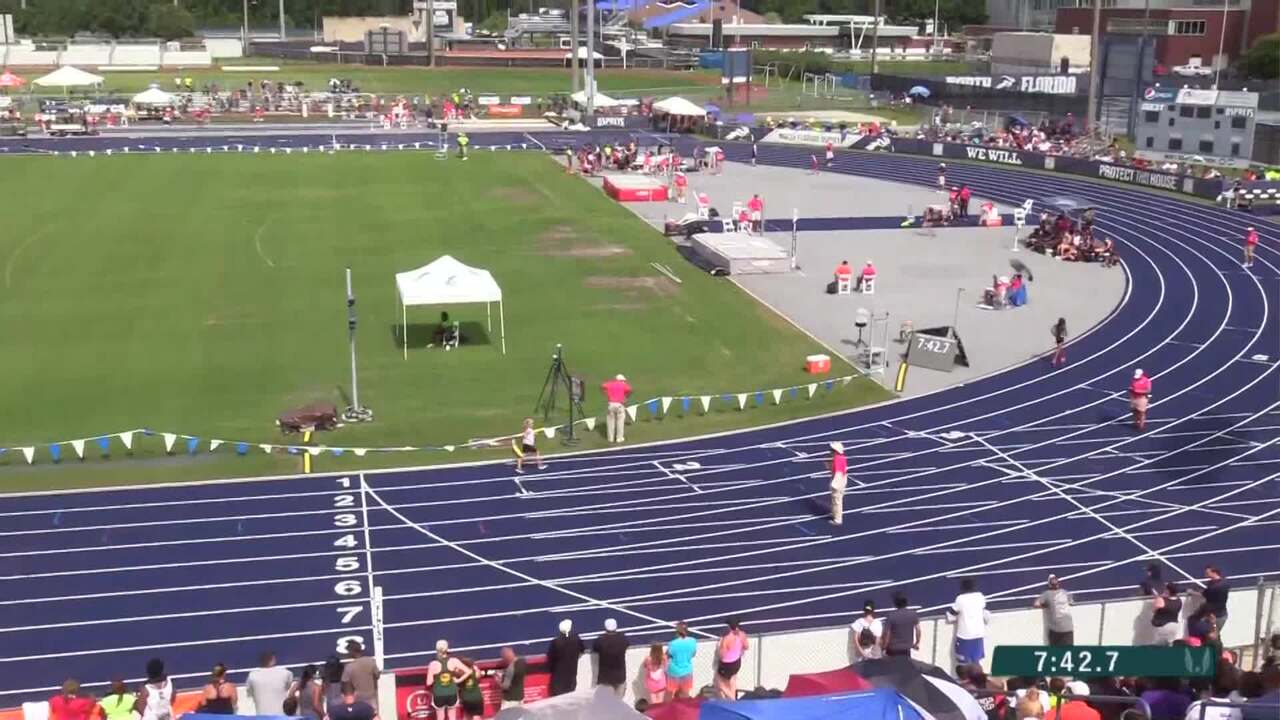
(1159, 94)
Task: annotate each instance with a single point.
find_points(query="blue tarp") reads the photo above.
(880, 704)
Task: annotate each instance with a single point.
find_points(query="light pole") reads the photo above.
(1095, 62)
(573, 43)
(591, 58)
(875, 36)
(1222, 38)
(244, 31)
(282, 30)
(936, 5)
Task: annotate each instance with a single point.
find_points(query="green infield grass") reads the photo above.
(205, 295)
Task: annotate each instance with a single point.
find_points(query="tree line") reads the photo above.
(171, 20)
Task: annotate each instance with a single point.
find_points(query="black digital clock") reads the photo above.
(1096, 660)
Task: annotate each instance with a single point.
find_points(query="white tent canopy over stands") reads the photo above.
(68, 77)
(153, 96)
(680, 106)
(446, 281)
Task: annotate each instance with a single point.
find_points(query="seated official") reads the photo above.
(868, 273)
(997, 295)
(844, 270)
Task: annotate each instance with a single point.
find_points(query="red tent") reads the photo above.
(677, 709)
(9, 80)
(825, 683)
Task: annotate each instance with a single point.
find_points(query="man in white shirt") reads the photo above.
(269, 685)
(969, 614)
(867, 631)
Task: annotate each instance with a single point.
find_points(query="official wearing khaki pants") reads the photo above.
(615, 422)
(839, 479)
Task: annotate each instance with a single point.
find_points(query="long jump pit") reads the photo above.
(634, 188)
(741, 253)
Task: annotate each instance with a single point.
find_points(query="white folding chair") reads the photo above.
(868, 286)
(844, 284)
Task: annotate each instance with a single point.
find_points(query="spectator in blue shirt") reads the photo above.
(680, 652)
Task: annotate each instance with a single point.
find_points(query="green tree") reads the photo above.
(119, 18)
(1263, 59)
(169, 22)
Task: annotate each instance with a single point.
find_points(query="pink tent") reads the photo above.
(9, 80)
(825, 683)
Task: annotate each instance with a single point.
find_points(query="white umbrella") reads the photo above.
(68, 77)
(153, 96)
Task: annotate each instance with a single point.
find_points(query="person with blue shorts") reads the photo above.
(969, 614)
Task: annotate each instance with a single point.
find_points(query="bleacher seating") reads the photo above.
(27, 56)
(186, 58)
(87, 55)
(148, 55)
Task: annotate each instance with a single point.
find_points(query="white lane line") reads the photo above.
(676, 476)
(558, 534)
(778, 543)
(998, 546)
(502, 569)
(374, 611)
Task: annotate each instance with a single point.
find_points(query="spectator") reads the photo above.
(866, 275)
(219, 695)
(680, 652)
(1202, 628)
(562, 659)
(1165, 615)
(611, 650)
(307, 695)
(350, 706)
(268, 685)
(1103, 687)
(155, 698)
(1029, 705)
(655, 674)
(1140, 398)
(70, 704)
(616, 392)
(331, 682)
(1214, 593)
(470, 692)
(1071, 708)
(444, 674)
(839, 480)
(1225, 683)
(511, 678)
(1056, 604)
(901, 629)
(1167, 699)
(972, 678)
(1267, 705)
(362, 672)
(729, 660)
(1152, 582)
(868, 631)
(970, 616)
(117, 704)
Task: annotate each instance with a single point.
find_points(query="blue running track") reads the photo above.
(1009, 477)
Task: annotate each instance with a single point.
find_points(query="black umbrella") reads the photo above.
(907, 676)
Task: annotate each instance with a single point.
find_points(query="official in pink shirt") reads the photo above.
(868, 273)
(616, 392)
(839, 478)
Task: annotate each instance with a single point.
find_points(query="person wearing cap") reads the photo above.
(1139, 398)
(839, 467)
(444, 674)
(1071, 708)
(1056, 604)
(616, 392)
(1250, 244)
(562, 659)
(70, 704)
(610, 649)
(867, 631)
(868, 273)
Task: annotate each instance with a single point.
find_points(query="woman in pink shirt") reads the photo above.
(729, 653)
(71, 705)
(655, 674)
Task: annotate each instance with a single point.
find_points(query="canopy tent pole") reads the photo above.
(502, 324)
(488, 317)
(404, 325)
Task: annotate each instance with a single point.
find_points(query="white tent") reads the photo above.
(680, 106)
(152, 96)
(67, 77)
(598, 703)
(445, 281)
(601, 100)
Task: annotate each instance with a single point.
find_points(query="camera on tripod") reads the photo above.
(558, 382)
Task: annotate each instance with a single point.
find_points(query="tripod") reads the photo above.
(558, 379)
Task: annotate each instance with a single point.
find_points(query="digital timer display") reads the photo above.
(1096, 660)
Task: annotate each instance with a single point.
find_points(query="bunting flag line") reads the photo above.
(549, 431)
(666, 403)
(169, 439)
(104, 444)
(315, 451)
(742, 401)
(759, 399)
(360, 452)
(213, 445)
(78, 446)
(777, 397)
(29, 453)
(631, 412)
(127, 439)
(590, 423)
(652, 406)
(448, 448)
(265, 448)
(55, 452)
(242, 448)
(706, 403)
(813, 388)
(193, 445)
(684, 404)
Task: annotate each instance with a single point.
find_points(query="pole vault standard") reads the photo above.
(356, 412)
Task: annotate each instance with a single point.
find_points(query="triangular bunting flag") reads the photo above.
(742, 400)
(213, 445)
(242, 448)
(549, 431)
(78, 446)
(127, 439)
(193, 445)
(652, 405)
(360, 451)
(684, 404)
(104, 444)
(314, 451)
(29, 453)
(631, 412)
(55, 452)
(449, 448)
(794, 391)
(829, 384)
(336, 451)
(846, 379)
(591, 423)
(813, 388)
(759, 399)
(666, 403)
(777, 397)
(265, 448)
(706, 403)
(169, 438)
